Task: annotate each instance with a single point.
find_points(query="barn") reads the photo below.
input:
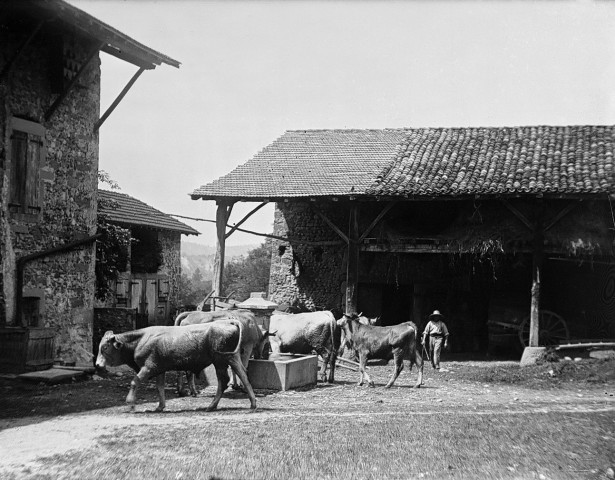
(50, 118)
(508, 231)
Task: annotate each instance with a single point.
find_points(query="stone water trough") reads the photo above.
(283, 371)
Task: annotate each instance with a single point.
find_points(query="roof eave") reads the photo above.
(152, 227)
(117, 43)
(377, 197)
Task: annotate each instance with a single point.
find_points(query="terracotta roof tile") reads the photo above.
(426, 162)
(131, 211)
(307, 163)
(540, 159)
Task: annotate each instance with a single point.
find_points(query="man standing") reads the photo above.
(438, 336)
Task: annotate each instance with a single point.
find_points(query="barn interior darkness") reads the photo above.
(472, 290)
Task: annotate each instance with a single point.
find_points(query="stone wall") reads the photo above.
(64, 282)
(306, 277)
(171, 265)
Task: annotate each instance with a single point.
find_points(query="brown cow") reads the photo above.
(254, 343)
(381, 342)
(152, 351)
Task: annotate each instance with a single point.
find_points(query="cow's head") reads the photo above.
(263, 347)
(109, 351)
(348, 318)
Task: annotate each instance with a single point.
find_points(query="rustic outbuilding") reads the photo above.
(49, 123)
(149, 284)
(508, 231)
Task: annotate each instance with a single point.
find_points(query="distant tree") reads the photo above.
(192, 290)
(248, 274)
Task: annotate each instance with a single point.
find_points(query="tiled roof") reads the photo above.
(541, 159)
(426, 162)
(131, 211)
(307, 163)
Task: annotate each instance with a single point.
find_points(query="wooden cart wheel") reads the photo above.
(552, 329)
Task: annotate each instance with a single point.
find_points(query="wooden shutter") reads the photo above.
(27, 159)
(33, 173)
(19, 159)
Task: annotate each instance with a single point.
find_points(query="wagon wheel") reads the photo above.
(552, 329)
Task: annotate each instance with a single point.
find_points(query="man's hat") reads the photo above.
(436, 315)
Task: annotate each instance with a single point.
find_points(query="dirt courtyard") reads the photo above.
(41, 422)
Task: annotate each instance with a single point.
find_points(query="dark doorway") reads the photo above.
(392, 303)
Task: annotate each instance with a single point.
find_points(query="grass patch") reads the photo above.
(562, 446)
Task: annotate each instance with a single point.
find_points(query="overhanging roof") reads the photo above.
(425, 163)
(114, 42)
(126, 210)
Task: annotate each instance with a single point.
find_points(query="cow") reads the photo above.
(255, 340)
(304, 333)
(152, 351)
(344, 343)
(370, 341)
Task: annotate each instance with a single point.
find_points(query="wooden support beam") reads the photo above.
(352, 265)
(384, 211)
(267, 235)
(9, 65)
(119, 98)
(333, 226)
(222, 215)
(565, 211)
(518, 214)
(537, 263)
(49, 113)
(238, 224)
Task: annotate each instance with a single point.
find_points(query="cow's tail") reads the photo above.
(332, 325)
(180, 317)
(238, 348)
(414, 351)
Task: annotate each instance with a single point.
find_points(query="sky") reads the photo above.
(250, 70)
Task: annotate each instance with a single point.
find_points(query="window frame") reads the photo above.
(31, 182)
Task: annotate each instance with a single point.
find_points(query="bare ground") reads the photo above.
(39, 421)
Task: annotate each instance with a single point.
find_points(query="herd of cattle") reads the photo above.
(229, 338)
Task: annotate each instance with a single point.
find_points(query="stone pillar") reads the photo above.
(261, 308)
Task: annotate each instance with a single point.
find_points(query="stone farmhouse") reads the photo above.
(50, 115)
(149, 285)
(508, 231)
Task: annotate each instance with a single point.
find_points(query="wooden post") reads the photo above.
(537, 261)
(221, 220)
(352, 266)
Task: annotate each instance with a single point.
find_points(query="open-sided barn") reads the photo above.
(508, 231)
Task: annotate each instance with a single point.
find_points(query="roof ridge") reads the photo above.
(471, 127)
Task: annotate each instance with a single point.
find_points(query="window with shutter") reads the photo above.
(27, 156)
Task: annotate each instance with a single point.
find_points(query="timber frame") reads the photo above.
(356, 241)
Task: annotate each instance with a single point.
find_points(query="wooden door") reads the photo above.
(136, 302)
(150, 297)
